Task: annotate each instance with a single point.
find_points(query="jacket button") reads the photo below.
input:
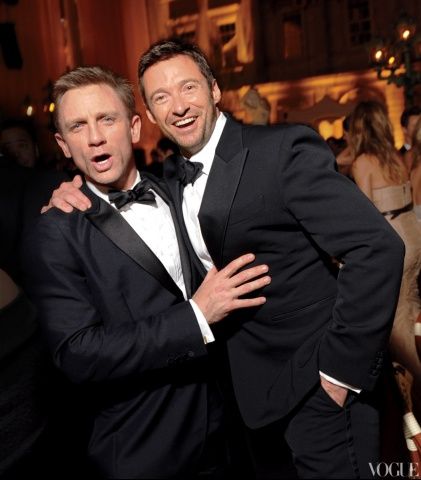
(190, 354)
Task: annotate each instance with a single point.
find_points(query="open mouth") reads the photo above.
(185, 122)
(101, 159)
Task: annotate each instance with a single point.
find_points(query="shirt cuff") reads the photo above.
(340, 384)
(203, 324)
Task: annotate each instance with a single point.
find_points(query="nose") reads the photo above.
(180, 105)
(95, 135)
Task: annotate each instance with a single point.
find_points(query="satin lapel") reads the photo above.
(109, 221)
(176, 191)
(221, 188)
(161, 189)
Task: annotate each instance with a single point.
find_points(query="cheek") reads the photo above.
(75, 150)
(160, 115)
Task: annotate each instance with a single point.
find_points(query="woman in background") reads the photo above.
(381, 174)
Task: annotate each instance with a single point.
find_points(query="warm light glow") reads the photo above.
(406, 34)
(337, 128)
(29, 110)
(378, 55)
(325, 129)
(391, 60)
(406, 28)
(51, 107)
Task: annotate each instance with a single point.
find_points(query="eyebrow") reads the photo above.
(180, 84)
(99, 115)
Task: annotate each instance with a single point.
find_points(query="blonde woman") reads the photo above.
(382, 175)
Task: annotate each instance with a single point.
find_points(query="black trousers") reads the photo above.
(320, 439)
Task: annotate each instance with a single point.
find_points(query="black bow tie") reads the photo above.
(141, 193)
(188, 171)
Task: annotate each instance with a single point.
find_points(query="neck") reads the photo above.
(125, 182)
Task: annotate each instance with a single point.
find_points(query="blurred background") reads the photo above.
(305, 61)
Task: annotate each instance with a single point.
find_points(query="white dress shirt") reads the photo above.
(154, 225)
(193, 194)
(192, 199)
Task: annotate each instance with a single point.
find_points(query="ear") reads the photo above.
(216, 92)
(63, 145)
(150, 116)
(135, 127)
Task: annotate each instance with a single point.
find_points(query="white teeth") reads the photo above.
(185, 121)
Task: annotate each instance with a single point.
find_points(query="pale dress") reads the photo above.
(417, 210)
(402, 342)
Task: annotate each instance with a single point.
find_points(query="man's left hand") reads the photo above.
(336, 393)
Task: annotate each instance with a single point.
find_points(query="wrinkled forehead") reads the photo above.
(171, 70)
(92, 94)
(88, 99)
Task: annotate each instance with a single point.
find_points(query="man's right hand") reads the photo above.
(218, 294)
(67, 196)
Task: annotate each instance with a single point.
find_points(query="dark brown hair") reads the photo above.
(169, 48)
(416, 144)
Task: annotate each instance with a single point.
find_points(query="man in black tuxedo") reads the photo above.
(305, 364)
(310, 356)
(111, 285)
(408, 120)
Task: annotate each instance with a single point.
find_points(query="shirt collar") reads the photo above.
(205, 156)
(104, 195)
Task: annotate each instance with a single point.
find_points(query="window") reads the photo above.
(226, 32)
(359, 21)
(292, 36)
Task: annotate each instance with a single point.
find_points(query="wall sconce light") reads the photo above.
(28, 107)
(394, 61)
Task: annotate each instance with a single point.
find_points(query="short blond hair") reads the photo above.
(93, 75)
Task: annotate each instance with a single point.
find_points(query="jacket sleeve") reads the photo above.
(343, 222)
(85, 346)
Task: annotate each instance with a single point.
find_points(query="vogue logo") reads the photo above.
(394, 469)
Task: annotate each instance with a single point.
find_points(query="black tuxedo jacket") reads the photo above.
(274, 192)
(116, 322)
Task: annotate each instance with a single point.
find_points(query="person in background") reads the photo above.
(382, 176)
(164, 148)
(337, 145)
(14, 180)
(408, 119)
(26, 187)
(17, 142)
(344, 159)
